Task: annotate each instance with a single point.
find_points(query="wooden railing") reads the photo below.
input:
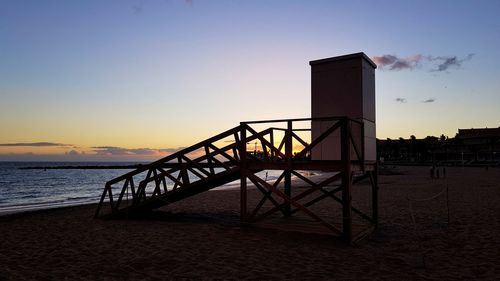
(187, 166)
(285, 147)
(226, 152)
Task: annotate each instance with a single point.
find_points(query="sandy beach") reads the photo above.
(453, 236)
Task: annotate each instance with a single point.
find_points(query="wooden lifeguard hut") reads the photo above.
(316, 161)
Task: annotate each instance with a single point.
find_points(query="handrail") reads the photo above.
(173, 156)
(227, 157)
(158, 175)
(332, 118)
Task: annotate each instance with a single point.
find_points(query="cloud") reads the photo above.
(171, 150)
(392, 62)
(448, 62)
(36, 144)
(403, 100)
(137, 9)
(72, 152)
(113, 150)
(385, 60)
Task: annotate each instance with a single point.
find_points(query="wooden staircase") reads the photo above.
(190, 171)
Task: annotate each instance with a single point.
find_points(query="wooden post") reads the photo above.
(288, 171)
(243, 179)
(271, 140)
(363, 168)
(375, 195)
(346, 180)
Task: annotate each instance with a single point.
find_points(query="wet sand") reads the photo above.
(453, 236)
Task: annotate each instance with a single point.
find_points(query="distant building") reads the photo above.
(470, 146)
(483, 143)
(481, 134)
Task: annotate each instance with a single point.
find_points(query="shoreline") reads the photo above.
(11, 209)
(83, 167)
(21, 209)
(17, 209)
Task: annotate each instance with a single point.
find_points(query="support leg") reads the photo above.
(346, 181)
(288, 192)
(288, 171)
(243, 180)
(243, 197)
(375, 195)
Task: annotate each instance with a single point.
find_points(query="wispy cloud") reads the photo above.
(36, 144)
(139, 8)
(429, 100)
(74, 152)
(400, 100)
(392, 62)
(170, 150)
(97, 153)
(113, 150)
(449, 62)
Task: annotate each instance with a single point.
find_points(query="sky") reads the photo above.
(138, 79)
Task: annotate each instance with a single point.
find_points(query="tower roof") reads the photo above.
(345, 57)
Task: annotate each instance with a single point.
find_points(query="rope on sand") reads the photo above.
(445, 190)
(411, 200)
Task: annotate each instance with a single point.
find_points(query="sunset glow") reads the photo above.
(136, 80)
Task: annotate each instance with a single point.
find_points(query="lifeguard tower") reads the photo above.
(317, 162)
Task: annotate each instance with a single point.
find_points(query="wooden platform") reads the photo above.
(304, 225)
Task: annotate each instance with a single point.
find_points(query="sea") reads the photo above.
(24, 189)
